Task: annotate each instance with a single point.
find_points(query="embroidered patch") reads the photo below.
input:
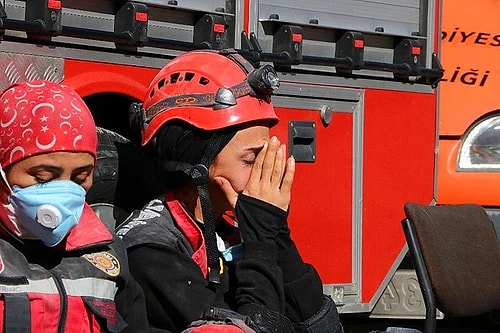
(105, 261)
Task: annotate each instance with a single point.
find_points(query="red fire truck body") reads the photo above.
(357, 104)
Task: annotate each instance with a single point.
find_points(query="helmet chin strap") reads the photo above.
(199, 174)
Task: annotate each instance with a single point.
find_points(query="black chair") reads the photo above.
(457, 259)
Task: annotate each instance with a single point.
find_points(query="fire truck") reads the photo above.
(469, 138)
(357, 103)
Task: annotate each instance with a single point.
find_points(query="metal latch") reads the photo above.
(302, 140)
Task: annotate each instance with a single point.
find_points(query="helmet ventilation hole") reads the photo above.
(175, 77)
(204, 81)
(161, 83)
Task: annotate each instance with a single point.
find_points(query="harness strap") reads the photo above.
(17, 313)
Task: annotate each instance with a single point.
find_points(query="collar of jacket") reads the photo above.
(91, 230)
(190, 230)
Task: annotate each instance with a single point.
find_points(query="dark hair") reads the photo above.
(178, 144)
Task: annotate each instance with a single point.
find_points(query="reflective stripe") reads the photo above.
(98, 288)
(94, 287)
(46, 286)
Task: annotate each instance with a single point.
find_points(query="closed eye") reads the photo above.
(249, 162)
(252, 153)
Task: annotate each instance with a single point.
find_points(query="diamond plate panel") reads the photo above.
(20, 67)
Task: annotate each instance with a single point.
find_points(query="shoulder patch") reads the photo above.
(104, 261)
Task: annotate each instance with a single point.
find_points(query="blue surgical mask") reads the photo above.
(50, 210)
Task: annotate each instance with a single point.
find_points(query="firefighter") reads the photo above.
(216, 248)
(61, 269)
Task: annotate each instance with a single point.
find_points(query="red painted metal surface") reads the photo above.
(398, 166)
(95, 77)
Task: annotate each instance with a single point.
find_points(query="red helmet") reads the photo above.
(210, 90)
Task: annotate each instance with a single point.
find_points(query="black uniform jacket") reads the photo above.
(167, 257)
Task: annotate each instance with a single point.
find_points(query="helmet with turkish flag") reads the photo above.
(210, 90)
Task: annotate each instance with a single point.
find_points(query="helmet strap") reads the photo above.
(199, 174)
(199, 100)
(214, 265)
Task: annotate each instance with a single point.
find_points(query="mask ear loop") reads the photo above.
(4, 184)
